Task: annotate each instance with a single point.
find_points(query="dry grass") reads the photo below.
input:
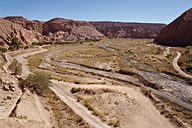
(2, 60)
(15, 67)
(35, 60)
(86, 52)
(63, 116)
(121, 53)
(182, 114)
(83, 96)
(56, 76)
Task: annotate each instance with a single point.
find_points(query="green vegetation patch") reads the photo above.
(15, 44)
(15, 67)
(3, 49)
(36, 83)
(35, 61)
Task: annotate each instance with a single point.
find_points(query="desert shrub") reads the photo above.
(36, 83)
(75, 90)
(26, 47)
(37, 43)
(21, 117)
(189, 80)
(15, 44)
(15, 67)
(89, 106)
(3, 49)
(115, 123)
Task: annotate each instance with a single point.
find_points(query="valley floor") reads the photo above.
(112, 83)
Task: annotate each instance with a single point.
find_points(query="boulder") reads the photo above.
(6, 88)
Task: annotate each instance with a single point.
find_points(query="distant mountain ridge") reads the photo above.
(62, 30)
(128, 29)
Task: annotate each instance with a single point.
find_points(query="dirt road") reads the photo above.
(147, 115)
(21, 59)
(77, 107)
(177, 68)
(112, 75)
(9, 60)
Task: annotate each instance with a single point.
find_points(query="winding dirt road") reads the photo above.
(148, 117)
(64, 96)
(112, 75)
(21, 58)
(78, 108)
(177, 68)
(9, 60)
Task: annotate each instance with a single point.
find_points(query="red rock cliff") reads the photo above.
(177, 33)
(128, 30)
(60, 29)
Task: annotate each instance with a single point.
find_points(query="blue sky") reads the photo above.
(159, 11)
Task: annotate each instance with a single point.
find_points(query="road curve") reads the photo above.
(21, 59)
(177, 68)
(146, 116)
(9, 60)
(64, 96)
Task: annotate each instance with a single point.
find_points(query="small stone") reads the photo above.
(9, 97)
(11, 86)
(12, 89)
(7, 82)
(6, 88)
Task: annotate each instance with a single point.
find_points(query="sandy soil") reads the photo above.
(141, 115)
(76, 107)
(28, 107)
(20, 123)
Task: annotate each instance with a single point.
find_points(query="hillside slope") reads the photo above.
(9, 30)
(34, 25)
(59, 29)
(177, 33)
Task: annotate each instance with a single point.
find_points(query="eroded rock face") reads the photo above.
(34, 25)
(177, 33)
(128, 30)
(64, 29)
(9, 30)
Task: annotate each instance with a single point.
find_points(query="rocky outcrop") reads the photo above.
(177, 33)
(60, 29)
(34, 25)
(128, 30)
(9, 30)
